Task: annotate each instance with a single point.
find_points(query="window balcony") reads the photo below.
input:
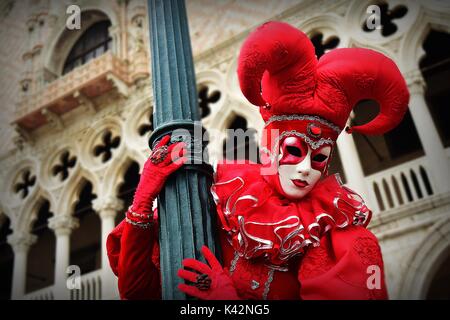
(66, 93)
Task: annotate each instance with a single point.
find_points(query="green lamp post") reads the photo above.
(186, 210)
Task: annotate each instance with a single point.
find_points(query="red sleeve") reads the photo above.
(133, 254)
(347, 265)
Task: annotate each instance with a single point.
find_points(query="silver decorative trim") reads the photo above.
(227, 205)
(141, 225)
(313, 144)
(336, 205)
(277, 268)
(362, 213)
(234, 262)
(291, 117)
(267, 284)
(254, 285)
(139, 215)
(289, 245)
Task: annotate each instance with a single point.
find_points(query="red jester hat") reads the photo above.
(300, 95)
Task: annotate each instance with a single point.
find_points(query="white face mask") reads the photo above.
(300, 167)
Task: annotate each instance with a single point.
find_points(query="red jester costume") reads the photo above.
(287, 230)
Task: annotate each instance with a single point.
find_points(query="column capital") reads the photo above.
(415, 81)
(63, 224)
(21, 242)
(107, 206)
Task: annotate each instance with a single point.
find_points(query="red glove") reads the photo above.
(163, 161)
(210, 282)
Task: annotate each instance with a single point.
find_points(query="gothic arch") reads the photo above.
(354, 43)
(70, 192)
(29, 210)
(231, 82)
(221, 120)
(214, 81)
(210, 76)
(426, 260)
(114, 175)
(411, 51)
(135, 118)
(327, 24)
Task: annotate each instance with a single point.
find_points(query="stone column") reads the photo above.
(107, 208)
(62, 225)
(20, 243)
(437, 162)
(351, 164)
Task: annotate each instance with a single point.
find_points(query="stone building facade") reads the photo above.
(76, 116)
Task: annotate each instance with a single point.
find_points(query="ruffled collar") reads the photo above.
(261, 223)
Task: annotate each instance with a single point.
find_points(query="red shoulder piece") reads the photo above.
(347, 265)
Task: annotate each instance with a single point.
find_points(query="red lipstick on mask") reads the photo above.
(300, 183)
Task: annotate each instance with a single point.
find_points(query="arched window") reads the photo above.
(41, 257)
(85, 249)
(435, 68)
(94, 42)
(127, 188)
(439, 289)
(381, 152)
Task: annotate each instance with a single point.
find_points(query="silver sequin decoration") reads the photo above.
(255, 285)
(313, 144)
(291, 117)
(267, 284)
(234, 262)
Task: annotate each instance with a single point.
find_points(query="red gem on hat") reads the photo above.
(314, 130)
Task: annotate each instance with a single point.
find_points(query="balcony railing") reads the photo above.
(42, 294)
(69, 91)
(91, 287)
(400, 185)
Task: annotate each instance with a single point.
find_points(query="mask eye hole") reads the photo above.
(320, 157)
(294, 151)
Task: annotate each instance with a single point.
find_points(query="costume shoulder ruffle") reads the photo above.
(239, 183)
(261, 222)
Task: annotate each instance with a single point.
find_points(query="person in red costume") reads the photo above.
(287, 229)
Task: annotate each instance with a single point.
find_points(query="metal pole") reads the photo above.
(186, 210)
